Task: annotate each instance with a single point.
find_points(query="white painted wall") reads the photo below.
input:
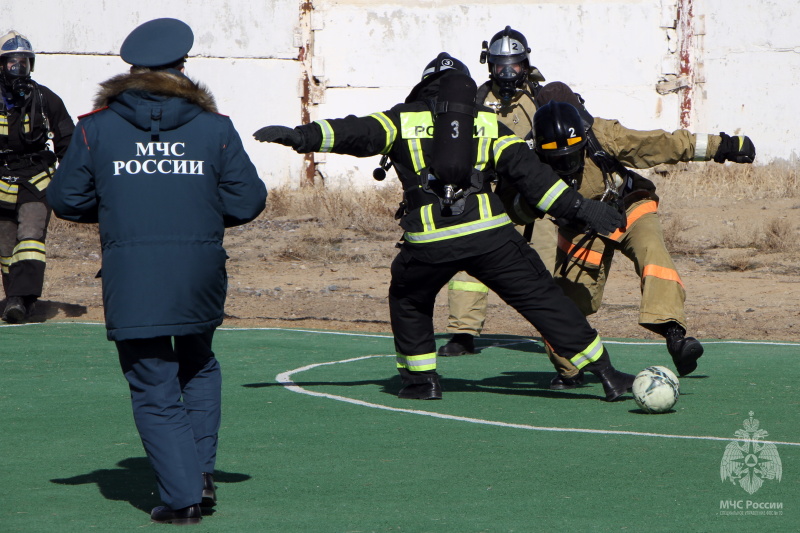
(369, 53)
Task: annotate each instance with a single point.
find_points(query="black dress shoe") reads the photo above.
(421, 388)
(179, 517)
(209, 491)
(560, 382)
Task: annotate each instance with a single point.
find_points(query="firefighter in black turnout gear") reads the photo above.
(443, 148)
(30, 116)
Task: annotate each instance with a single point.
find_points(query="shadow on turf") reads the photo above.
(513, 383)
(134, 482)
(507, 342)
(46, 309)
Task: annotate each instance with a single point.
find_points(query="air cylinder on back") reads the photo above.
(453, 148)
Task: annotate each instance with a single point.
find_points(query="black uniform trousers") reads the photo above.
(176, 396)
(513, 271)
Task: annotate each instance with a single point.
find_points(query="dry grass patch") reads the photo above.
(740, 262)
(673, 229)
(774, 235)
(741, 182)
(324, 244)
(778, 236)
(369, 212)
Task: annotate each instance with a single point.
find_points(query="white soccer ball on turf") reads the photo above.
(656, 389)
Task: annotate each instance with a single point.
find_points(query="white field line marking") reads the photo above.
(499, 342)
(285, 379)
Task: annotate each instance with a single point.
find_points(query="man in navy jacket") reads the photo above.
(163, 174)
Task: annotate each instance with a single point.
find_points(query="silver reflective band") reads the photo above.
(444, 65)
(700, 147)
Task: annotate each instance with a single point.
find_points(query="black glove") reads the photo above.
(599, 216)
(281, 135)
(739, 149)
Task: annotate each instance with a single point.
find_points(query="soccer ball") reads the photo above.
(656, 389)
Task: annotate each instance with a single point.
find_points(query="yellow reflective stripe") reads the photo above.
(483, 153)
(591, 354)
(389, 128)
(416, 125)
(26, 124)
(551, 196)
(8, 192)
(426, 216)
(327, 135)
(42, 179)
(30, 244)
(504, 142)
(417, 363)
(467, 286)
(460, 230)
(4, 262)
(484, 206)
(28, 256)
(415, 151)
(28, 250)
(486, 125)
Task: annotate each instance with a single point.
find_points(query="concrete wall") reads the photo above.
(708, 65)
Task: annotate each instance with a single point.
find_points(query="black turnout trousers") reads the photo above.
(513, 271)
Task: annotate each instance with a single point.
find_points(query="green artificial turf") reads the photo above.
(331, 448)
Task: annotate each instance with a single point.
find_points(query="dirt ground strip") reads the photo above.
(735, 288)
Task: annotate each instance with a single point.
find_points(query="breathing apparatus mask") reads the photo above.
(16, 64)
(509, 63)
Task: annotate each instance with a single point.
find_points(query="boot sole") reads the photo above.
(420, 396)
(442, 353)
(688, 363)
(179, 521)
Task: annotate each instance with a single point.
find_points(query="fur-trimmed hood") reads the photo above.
(139, 97)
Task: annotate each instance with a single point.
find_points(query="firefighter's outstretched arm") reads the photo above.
(281, 135)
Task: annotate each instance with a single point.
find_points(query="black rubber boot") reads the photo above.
(560, 382)
(30, 305)
(14, 312)
(615, 383)
(420, 387)
(685, 351)
(460, 344)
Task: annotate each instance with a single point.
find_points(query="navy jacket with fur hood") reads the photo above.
(163, 174)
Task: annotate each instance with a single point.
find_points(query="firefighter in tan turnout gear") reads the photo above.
(510, 91)
(591, 155)
(443, 147)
